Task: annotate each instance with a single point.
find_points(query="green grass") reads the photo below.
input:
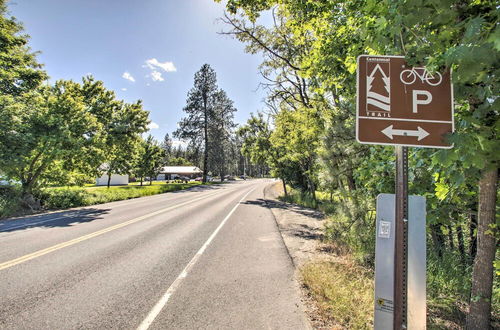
(342, 292)
(350, 229)
(66, 197)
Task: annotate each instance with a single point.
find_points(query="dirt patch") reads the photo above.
(300, 227)
(302, 232)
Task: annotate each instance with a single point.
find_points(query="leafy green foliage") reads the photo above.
(59, 134)
(151, 157)
(179, 161)
(60, 198)
(49, 125)
(10, 197)
(318, 42)
(19, 71)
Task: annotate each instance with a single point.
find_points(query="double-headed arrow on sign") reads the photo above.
(390, 132)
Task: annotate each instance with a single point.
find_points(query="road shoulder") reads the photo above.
(302, 231)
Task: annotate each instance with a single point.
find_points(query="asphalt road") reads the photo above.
(205, 258)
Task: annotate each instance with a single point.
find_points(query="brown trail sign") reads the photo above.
(402, 105)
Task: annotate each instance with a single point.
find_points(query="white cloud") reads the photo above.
(154, 64)
(156, 76)
(128, 76)
(124, 89)
(153, 125)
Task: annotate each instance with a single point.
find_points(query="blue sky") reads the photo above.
(142, 49)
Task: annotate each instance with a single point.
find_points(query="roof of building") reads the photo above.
(180, 170)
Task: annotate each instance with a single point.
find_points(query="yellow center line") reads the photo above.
(59, 246)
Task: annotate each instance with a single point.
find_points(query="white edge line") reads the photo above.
(173, 287)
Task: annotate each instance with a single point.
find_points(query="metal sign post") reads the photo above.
(401, 240)
(384, 264)
(401, 105)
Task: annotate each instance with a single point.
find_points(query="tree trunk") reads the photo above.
(473, 236)
(26, 188)
(109, 178)
(141, 180)
(313, 191)
(284, 187)
(315, 199)
(28, 200)
(482, 274)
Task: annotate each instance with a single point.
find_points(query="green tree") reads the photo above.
(127, 123)
(179, 161)
(221, 133)
(209, 121)
(461, 35)
(167, 148)
(19, 70)
(297, 134)
(200, 110)
(257, 145)
(49, 126)
(150, 160)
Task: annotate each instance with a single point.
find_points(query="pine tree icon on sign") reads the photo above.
(378, 90)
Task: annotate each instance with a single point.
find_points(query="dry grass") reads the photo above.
(342, 293)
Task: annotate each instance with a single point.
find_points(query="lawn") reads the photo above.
(52, 198)
(65, 197)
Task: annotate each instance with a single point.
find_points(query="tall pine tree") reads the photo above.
(209, 119)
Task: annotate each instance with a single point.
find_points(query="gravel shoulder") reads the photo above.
(301, 229)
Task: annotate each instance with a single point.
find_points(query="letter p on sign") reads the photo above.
(417, 101)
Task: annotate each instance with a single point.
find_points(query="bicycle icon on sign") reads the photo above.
(409, 76)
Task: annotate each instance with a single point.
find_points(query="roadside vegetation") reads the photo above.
(342, 291)
(307, 133)
(68, 133)
(448, 279)
(67, 197)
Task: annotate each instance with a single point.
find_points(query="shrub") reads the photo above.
(352, 223)
(61, 198)
(10, 201)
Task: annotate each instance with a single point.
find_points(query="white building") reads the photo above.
(173, 172)
(116, 180)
